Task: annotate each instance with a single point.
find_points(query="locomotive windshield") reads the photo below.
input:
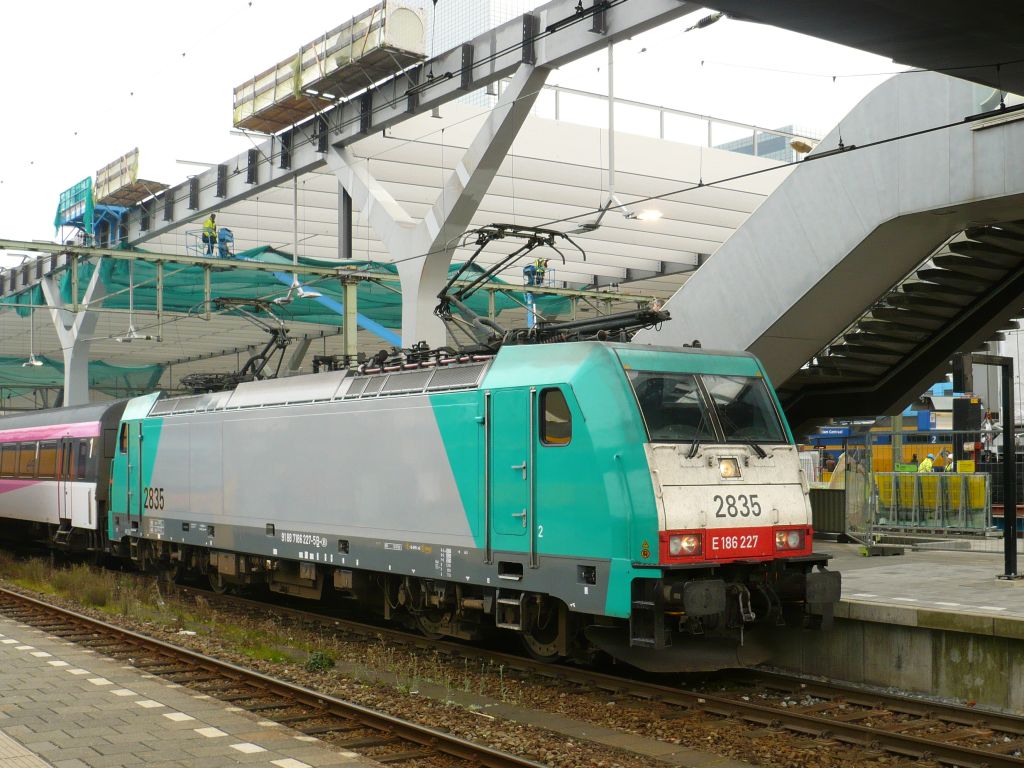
(745, 410)
(675, 407)
(672, 405)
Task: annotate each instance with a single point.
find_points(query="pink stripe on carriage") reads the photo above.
(52, 432)
(7, 485)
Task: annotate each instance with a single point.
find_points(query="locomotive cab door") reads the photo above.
(510, 469)
(133, 484)
(65, 478)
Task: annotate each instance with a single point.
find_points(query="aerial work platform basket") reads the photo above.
(385, 39)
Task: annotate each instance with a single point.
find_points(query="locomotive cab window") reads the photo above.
(672, 406)
(556, 419)
(745, 409)
(122, 440)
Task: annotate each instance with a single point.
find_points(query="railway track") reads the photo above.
(933, 732)
(382, 737)
(942, 733)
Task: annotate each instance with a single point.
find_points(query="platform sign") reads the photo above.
(834, 431)
(75, 207)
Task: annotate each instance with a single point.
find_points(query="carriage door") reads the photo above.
(133, 484)
(510, 468)
(65, 478)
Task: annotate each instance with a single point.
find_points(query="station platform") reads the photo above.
(67, 707)
(935, 623)
(960, 582)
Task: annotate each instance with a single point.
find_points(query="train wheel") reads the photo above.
(543, 639)
(542, 648)
(430, 625)
(217, 583)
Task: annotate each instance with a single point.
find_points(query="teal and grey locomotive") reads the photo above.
(591, 495)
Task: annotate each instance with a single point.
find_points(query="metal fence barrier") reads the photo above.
(943, 502)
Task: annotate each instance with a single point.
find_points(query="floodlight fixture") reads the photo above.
(32, 361)
(801, 146)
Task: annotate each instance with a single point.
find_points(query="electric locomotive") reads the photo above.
(589, 495)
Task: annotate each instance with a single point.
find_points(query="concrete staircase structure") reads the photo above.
(895, 244)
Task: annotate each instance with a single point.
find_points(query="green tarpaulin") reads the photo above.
(183, 289)
(115, 380)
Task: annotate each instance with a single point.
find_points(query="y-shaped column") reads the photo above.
(74, 331)
(423, 250)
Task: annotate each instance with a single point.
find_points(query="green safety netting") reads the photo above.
(76, 207)
(115, 380)
(378, 302)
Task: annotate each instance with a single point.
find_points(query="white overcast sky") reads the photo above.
(85, 83)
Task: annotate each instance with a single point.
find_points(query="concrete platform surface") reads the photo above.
(67, 707)
(954, 581)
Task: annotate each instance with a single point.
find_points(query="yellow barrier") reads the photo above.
(941, 499)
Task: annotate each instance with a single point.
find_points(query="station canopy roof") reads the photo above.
(555, 176)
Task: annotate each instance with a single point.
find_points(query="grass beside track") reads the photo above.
(140, 599)
(261, 636)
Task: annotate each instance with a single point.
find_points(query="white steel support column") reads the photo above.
(453, 211)
(350, 331)
(74, 331)
(422, 249)
(344, 224)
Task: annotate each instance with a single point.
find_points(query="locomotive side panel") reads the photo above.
(205, 468)
(344, 468)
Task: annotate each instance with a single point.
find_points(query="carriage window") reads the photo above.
(556, 426)
(47, 460)
(745, 409)
(672, 406)
(27, 460)
(122, 442)
(9, 460)
(84, 451)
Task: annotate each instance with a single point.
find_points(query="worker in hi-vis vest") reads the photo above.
(210, 233)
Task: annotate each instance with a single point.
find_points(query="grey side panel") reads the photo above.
(205, 469)
(372, 468)
(173, 474)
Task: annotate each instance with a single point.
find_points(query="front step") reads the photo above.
(646, 620)
(62, 536)
(509, 610)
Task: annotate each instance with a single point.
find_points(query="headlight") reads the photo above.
(729, 468)
(793, 539)
(685, 545)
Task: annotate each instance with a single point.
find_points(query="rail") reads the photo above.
(264, 694)
(833, 712)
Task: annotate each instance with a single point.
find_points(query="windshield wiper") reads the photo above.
(696, 437)
(730, 426)
(761, 452)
